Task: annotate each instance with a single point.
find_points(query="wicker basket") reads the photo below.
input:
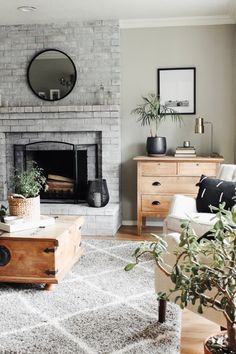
(26, 207)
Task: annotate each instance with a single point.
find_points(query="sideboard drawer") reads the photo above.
(158, 169)
(156, 203)
(197, 168)
(169, 185)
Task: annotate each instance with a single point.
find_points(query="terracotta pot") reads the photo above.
(206, 350)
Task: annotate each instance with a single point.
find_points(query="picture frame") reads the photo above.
(55, 94)
(176, 88)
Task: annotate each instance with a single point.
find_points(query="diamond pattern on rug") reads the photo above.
(14, 314)
(125, 252)
(123, 326)
(92, 263)
(71, 297)
(124, 284)
(106, 244)
(40, 340)
(97, 309)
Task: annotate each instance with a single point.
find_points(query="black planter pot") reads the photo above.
(156, 146)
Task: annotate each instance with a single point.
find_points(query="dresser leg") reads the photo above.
(144, 220)
(139, 226)
(49, 287)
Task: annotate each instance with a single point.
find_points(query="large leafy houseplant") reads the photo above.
(151, 113)
(204, 272)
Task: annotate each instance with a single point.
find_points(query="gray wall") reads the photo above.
(93, 46)
(211, 50)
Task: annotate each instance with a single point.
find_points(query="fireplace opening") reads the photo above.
(66, 166)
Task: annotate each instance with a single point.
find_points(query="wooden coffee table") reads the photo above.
(41, 255)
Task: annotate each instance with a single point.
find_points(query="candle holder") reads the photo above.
(98, 195)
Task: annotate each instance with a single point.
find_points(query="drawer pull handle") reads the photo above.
(156, 183)
(156, 202)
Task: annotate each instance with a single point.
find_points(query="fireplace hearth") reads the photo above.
(67, 167)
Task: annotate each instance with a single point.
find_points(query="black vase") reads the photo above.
(98, 195)
(156, 146)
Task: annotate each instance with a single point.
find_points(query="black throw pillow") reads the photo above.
(213, 191)
(208, 236)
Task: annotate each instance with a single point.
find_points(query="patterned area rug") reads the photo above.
(98, 308)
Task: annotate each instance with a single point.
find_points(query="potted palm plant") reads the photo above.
(152, 114)
(204, 273)
(25, 200)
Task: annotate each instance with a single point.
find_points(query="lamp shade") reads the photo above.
(199, 126)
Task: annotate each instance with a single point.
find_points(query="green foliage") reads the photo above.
(151, 111)
(201, 267)
(29, 183)
(129, 266)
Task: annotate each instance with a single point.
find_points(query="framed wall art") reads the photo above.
(176, 88)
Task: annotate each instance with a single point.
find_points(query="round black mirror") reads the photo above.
(51, 75)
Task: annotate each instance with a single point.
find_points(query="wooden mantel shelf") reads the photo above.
(59, 109)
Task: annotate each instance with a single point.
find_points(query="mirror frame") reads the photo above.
(28, 71)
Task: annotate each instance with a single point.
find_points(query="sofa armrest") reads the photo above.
(182, 205)
(162, 282)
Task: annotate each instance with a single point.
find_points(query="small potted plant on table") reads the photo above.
(204, 273)
(25, 201)
(151, 112)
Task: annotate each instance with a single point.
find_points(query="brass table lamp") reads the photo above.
(199, 129)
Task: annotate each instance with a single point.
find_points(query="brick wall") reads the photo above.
(93, 46)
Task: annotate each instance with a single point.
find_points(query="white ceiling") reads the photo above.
(220, 11)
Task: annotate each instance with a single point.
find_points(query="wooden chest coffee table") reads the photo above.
(41, 255)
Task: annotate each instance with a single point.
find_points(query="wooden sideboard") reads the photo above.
(159, 178)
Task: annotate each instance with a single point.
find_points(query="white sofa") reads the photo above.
(184, 207)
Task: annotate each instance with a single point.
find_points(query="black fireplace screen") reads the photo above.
(66, 166)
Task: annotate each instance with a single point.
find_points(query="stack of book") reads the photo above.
(185, 151)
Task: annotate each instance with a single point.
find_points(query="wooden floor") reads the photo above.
(195, 328)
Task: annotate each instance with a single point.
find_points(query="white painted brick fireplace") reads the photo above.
(94, 48)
